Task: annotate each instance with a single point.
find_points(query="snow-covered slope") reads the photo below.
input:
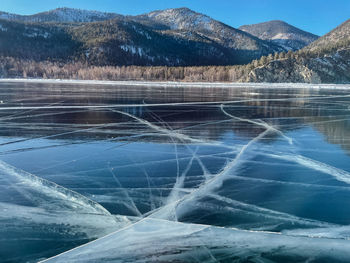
(181, 20)
(172, 37)
(61, 15)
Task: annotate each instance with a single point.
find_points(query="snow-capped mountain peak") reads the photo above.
(63, 14)
(74, 15)
(182, 18)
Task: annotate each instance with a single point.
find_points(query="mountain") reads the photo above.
(336, 39)
(172, 37)
(183, 22)
(115, 42)
(61, 15)
(281, 33)
(63, 41)
(327, 60)
(126, 42)
(36, 41)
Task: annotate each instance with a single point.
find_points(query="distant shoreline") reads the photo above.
(179, 84)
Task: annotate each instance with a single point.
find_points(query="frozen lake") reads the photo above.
(174, 174)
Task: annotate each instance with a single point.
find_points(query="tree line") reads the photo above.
(26, 68)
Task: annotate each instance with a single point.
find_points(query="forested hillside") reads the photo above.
(172, 37)
(169, 45)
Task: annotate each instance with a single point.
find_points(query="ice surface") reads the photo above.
(339, 174)
(38, 211)
(178, 242)
(174, 172)
(32, 183)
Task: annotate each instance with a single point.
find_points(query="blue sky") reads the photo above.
(316, 16)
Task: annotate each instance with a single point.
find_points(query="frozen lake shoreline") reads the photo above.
(181, 84)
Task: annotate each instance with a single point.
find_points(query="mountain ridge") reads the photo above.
(196, 39)
(62, 14)
(281, 33)
(185, 19)
(169, 19)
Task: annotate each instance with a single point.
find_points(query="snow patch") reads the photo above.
(132, 49)
(182, 19)
(2, 28)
